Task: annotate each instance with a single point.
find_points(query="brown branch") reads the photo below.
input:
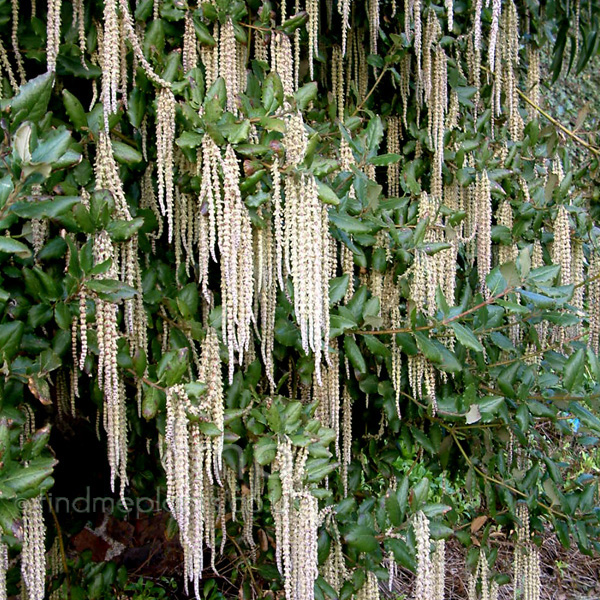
(442, 323)
(498, 481)
(61, 545)
(363, 101)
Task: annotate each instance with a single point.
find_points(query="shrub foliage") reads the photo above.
(325, 274)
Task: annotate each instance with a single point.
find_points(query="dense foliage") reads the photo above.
(327, 277)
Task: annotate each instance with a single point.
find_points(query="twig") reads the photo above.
(61, 545)
(498, 481)
(147, 381)
(362, 103)
(442, 323)
(243, 556)
(558, 124)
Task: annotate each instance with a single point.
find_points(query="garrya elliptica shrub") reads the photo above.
(325, 272)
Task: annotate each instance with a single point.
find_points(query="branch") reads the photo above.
(442, 323)
(499, 481)
(558, 124)
(377, 81)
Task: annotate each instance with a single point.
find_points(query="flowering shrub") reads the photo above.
(279, 255)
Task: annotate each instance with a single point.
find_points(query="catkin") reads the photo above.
(3, 570)
(483, 212)
(594, 301)
(33, 553)
(235, 245)
(424, 580)
(306, 252)
(165, 135)
(53, 34)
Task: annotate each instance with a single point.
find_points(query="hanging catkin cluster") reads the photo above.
(394, 134)
(594, 301)
(344, 10)
(109, 381)
(483, 219)
(337, 80)
(346, 437)
(437, 270)
(296, 516)
(438, 564)
(562, 255)
(235, 245)
(209, 373)
(328, 396)
(312, 8)
(282, 62)
(53, 33)
(489, 587)
(124, 265)
(191, 463)
(307, 254)
(370, 589)
(424, 584)
(110, 60)
(334, 569)
(3, 570)
(438, 107)
(526, 560)
(165, 134)
(228, 64)
(507, 64)
(33, 552)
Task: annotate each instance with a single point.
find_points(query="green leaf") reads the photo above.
(121, 231)
(126, 154)
(136, 107)
(203, 33)
(150, 403)
(326, 194)
(286, 332)
(337, 288)
(319, 468)
(294, 22)
(111, 290)
(12, 246)
(495, 281)
(265, 450)
(362, 538)
(538, 300)
(354, 354)
(373, 135)
(45, 209)
(75, 110)
(209, 429)
(31, 103)
(573, 370)
(401, 553)
(9, 518)
(543, 275)
(585, 416)
(306, 94)
(349, 224)
(339, 324)
(385, 159)
(23, 479)
(272, 92)
(428, 348)
(10, 337)
(376, 346)
(189, 140)
(187, 300)
(466, 337)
